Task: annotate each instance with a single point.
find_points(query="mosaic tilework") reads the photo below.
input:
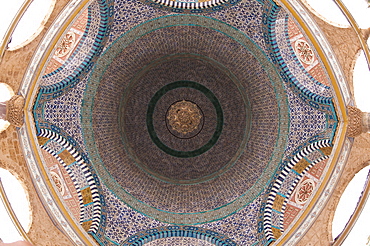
(277, 200)
(128, 14)
(89, 48)
(253, 155)
(305, 122)
(52, 145)
(250, 22)
(69, 48)
(179, 241)
(122, 221)
(315, 69)
(292, 67)
(250, 18)
(233, 123)
(245, 16)
(80, 177)
(69, 191)
(179, 231)
(89, 201)
(241, 227)
(64, 112)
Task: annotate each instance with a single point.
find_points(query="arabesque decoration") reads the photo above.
(184, 117)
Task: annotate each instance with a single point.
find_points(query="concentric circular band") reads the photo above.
(209, 95)
(194, 6)
(251, 169)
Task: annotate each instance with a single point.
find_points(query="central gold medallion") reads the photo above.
(184, 117)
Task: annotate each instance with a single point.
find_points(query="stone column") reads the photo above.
(359, 122)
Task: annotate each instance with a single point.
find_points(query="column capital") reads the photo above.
(14, 110)
(359, 122)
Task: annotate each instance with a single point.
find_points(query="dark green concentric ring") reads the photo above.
(208, 94)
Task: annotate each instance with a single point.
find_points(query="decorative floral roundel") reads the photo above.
(304, 191)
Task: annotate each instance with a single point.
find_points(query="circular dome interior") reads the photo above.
(198, 124)
(232, 99)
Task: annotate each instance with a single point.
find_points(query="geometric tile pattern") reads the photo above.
(89, 196)
(242, 226)
(311, 120)
(284, 185)
(64, 112)
(293, 67)
(294, 205)
(123, 222)
(305, 122)
(105, 134)
(152, 234)
(76, 31)
(69, 191)
(248, 21)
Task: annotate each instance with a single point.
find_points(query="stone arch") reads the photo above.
(355, 205)
(16, 193)
(360, 75)
(322, 16)
(39, 29)
(321, 231)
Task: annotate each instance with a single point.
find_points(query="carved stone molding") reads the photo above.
(14, 110)
(359, 122)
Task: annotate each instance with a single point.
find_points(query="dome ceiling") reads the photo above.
(229, 155)
(195, 125)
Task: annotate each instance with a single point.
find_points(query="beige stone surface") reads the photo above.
(13, 66)
(15, 62)
(42, 231)
(320, 233)
(345, 45)
(355, 122)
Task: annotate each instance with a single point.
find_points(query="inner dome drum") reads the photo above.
(226, 160)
